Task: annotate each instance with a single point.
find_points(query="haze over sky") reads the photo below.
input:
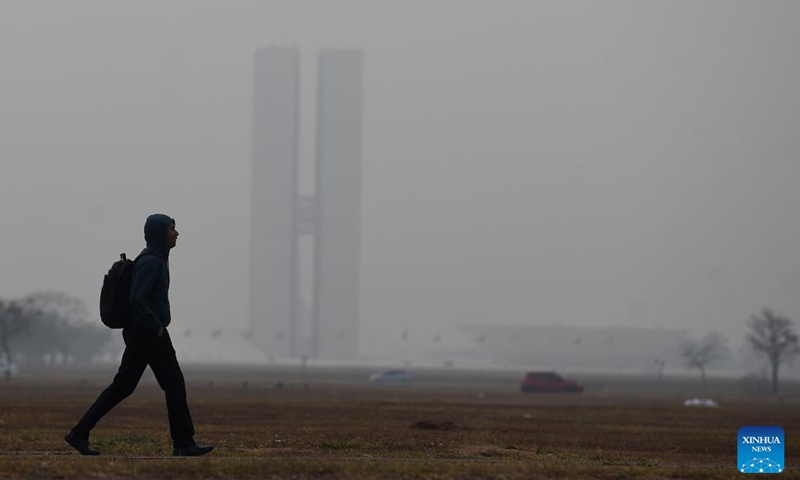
(531, 163)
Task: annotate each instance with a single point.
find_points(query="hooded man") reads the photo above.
(147, 342)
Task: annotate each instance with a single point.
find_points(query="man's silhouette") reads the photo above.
(147, 342)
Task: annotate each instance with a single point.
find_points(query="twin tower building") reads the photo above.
(283, 324)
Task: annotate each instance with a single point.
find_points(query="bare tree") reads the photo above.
(13, 323)
(41, 339)
(701, 353)
(772, 335)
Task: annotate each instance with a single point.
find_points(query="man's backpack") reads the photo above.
(115, 305)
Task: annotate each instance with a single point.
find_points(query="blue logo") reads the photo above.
(761, 450)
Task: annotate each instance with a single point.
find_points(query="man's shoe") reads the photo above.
(192, 450)
(80, 444)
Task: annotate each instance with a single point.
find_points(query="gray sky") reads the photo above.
(583, 163)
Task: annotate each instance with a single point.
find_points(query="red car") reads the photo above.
(549, 382)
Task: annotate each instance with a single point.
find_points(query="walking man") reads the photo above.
(147, 342)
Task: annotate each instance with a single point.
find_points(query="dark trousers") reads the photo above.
(143, 348)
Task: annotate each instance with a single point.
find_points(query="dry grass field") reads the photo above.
(300, 428)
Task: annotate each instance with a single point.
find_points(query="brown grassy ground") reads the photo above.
(367, 431)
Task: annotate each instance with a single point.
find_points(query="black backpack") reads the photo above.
(115, 305)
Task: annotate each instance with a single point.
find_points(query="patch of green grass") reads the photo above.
(132, 443)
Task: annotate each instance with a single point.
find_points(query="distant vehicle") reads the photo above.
(391, 376)
(7, 370)
(549, 382)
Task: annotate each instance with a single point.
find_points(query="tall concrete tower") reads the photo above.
(331, 215)
(273, 245)
(337, 242)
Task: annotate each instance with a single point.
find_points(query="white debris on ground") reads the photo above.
(700, 402)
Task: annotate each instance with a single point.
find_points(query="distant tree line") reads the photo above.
(50, 328)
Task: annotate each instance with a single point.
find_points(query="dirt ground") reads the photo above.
(300, 428)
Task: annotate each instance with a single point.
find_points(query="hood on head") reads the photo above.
(155, 232)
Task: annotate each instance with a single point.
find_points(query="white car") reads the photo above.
(391, 376)
(7, 370)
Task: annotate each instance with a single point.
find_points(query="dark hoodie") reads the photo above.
(150, 286)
